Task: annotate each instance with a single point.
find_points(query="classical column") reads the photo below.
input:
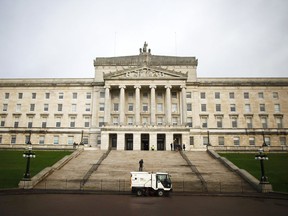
(137, 104)
(152, 105)
(122, 104)
(184, 105)
(168, 104)
(107, 105)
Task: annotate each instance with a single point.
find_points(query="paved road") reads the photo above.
(91, 204)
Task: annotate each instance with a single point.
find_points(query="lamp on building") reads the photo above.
(264, 142)
(28, 154)
(261, 157)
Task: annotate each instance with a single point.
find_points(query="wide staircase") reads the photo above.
(91, 171)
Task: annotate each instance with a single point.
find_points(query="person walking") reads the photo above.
(141, 162)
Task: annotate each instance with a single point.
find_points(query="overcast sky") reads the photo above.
(60, 38)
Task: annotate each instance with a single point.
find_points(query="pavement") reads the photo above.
(114, 172)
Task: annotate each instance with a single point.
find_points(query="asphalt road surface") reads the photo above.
(91, 204)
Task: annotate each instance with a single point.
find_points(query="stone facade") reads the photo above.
(144, 101)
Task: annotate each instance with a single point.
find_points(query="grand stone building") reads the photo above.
(145, 101)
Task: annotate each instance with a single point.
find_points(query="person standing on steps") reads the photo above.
(171, 145)
(141, 162)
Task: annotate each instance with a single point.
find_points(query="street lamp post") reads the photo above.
(28, 154)
(208, 144)
(261, 157)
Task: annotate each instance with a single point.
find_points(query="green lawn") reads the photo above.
(13, 165)
(275, 168)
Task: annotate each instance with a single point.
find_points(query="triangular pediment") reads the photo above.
(145, 73)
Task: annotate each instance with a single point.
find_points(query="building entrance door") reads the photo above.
(145, 142)
(160, 142)
(177, 139)
(128, 141)
(113, 141)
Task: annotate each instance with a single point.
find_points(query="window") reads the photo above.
(30, 122)
(115, 107)
(33, 95)
(251, 140)
(188, 94)
(275, 95)
(234, 121)
(218, 107)
(2, 123)
(88, 95)
(249, 122)
(56, 140)
(189, 122)
(217, 95)
(247, 108)
(174, 94)
(174, 108)
(102, 107)
(47, 95)
(145, 94)
(267, 141)
(32, 107)
(219, 121)
(74, 107)
(159, 121)
(18, 107)
(189, 107)
(282, 140)
(13, 139)
(72, 121)
(102, 94)
(130, 120)
(27, 139)
(130, 107)
(236, 141)
(86, 121)
(246, 95)
(115, 121)
(5, 107)
(44, 122)
(204, 121)
(279, 121)
(144, 107)
(74, 95)
(20, 95)
(221, 140)
(46, 107)
(88, 107)
(41, 140)
(232, 107)
(70, 140)
(262, 107)
(101, 121)
(16, 122)
(60, 106)
(174, 121)
(159, 107)
(130, 94)
(61, 95)
(264, 122)
(144, 120)
(99, 140)
(159, 95)
(205, 140)
(58, 122)
(203, 107)
(231, 95)
(277, 108)
(202, 95)
(7, 95)
(260, 95)
(85, 140)
(0, 139)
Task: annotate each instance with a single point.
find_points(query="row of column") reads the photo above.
(168, 104)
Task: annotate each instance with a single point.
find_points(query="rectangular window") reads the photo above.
(262, 107)
(231, 95)
(159, 95)
(115, 121)
(218, 107)
(246, 95)
(221, 140)
(247, 108)
(202, 95)
(58, 122)
(205, 140)
(13, 139)
(85, 140)
(267, 141)
(217, 95)
(275, 95)
(102, 94)
(47, 95)
(56, 140)
(282, 141)
(264, 122)
(189, 107)
(115, 107)
(279, 122)
(251, 140)
(189, 122)
(46, 107)
(16, 122)
(232, 107)
(159, 121)
(174, 94)
(144, 120)
(234, 122)
(130, 95)
(159, 107)
(70, 140)
(145, 94)
(260, 95)
(188, 94)
(130, 107)
(0, 139)
(61, 95)
(2, 124)
(174, 108)
(145, 107)
(174, 121)
(219, 122)
(7, 95)
(236, 141)
(277, 108)
(72, 121)
(203, 107)
(60, 106)
(191, 140)
(32, 107)
(30, 122)
(74, 107)
(5, 107)
(41, 140)
(204, 121)
(88, 107)
(33, 95)
(88, 95)
(101, 121)
(20, 95)
(18, 107)
(44, 122)
(74, 95)
(86, 122)
(249, 122)
(102, 107)
(130, 120)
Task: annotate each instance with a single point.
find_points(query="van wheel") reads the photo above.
(139, 192)
(160, 193)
